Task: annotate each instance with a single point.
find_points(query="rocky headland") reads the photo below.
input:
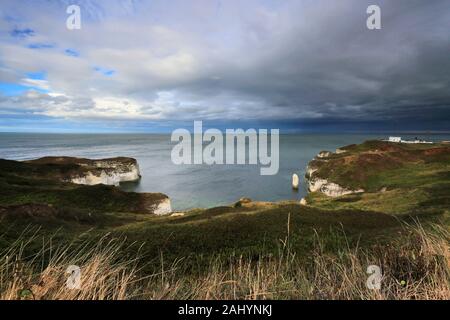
(111, 171)
(52, 184)
(381, 176)
(318, 183)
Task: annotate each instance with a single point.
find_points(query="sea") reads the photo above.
(195, 185)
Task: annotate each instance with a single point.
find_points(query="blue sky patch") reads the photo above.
(15, 89)
(40, 75)
(41, 46)
(12, 89)
(104, 71)
(22, 33)
(72, 52)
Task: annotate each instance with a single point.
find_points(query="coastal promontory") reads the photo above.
(67, 184)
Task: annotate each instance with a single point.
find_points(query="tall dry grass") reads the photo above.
(416, 266)
(44, 275)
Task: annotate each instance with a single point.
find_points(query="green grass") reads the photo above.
(397, 178)
(200, 236)
(257, 232)
(375, 164)
(34, 183)
(415, 266)
(417, 187)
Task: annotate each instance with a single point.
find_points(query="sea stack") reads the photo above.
(295, 181)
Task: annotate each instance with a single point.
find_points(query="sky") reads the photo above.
(153, 66)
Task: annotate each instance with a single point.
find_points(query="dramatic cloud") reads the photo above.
(260, 60)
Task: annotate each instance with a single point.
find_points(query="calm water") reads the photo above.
(188, 186)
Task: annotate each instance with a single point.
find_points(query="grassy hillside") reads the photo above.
(28, 184)
(397, 178)
(254, 231)
(286, 246)
(414, 266)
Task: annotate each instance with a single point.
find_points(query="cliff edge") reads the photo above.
(66, 184)
(381, 176)
(109, 171)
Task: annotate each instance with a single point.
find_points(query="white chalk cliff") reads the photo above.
(331, 189)
(107, 171)
(110, 171)
(162, 208)
(115, 170)
(320, 184)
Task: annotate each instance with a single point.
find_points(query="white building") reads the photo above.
(395, 139)
(399, 140)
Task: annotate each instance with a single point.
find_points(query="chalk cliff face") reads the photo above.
(162, 208)
(110, 171)
(324, 154)
(101, 172)
(156, 203)
(331, 189)
(320, 184)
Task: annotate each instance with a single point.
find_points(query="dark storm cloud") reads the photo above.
(301, 61)
(331, 66)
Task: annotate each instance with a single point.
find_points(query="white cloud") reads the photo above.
(36, 83)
